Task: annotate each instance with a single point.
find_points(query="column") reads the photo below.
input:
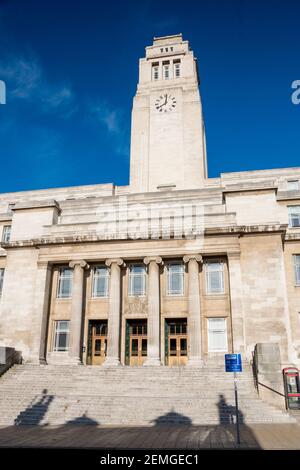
(153, 325)
(114, 314)
(77, 309)
(41, 311)
(194, 318)
(236, 301)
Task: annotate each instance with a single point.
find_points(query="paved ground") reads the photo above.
(263, 436)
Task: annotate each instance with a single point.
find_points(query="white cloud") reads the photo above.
(107, 116)
(26, 80)
(112, 119)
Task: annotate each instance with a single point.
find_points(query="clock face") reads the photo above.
(165, 103)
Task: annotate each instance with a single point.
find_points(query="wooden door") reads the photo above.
(99, 342)
(137, 342)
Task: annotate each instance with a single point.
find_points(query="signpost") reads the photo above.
(233, 363)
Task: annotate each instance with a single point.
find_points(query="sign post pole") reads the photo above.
(233, 363)
(238, 441)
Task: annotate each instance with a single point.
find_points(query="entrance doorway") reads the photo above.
(136, 342)
(97, 341)
(176, 342)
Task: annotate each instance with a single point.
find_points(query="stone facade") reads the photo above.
(242, 230)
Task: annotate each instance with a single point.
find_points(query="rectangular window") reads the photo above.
(217, 335)
(1, 280)
(214, 278)
(6, 233)
(65, 278)
(293, 185)
(137, 279)
(61, 335)
(175, 279)
(297, 269)
(294, 216)
(176, 68)
(155, 71)
(100, 282)
(166, 70)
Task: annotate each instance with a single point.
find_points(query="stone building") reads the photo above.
(172, 269)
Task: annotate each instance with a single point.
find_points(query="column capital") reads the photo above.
(117, 261)
(155, 259)
(195, 256)
(83, 264)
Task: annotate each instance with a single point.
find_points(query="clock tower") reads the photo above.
(167, 131)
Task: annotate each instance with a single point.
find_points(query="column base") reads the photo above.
(111, 362)
(152, 361)
(195, 361)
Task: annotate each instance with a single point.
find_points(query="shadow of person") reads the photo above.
(172, 417)
(36, 410)
(227, 413)
(84, 419)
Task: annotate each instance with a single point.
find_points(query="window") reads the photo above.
(1, 280)
(176, 68)
(293, 185)
(100, 281)
(294, 216)
(137, 279)
(155, 71)
(65, 278)
(214, 278)
(166, 70)
(6, 233)
(217, 335)
(61, 335)
(175, 279)
(297, 269)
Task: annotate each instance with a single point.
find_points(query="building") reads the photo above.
(172, 269)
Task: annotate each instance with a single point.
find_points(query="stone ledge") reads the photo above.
(35, 205)
(93, 237)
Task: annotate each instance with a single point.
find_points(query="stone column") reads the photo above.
(41, 311)
(194, 318)
(236, 300)
(153, 324)
(114, 314)
(76, 310)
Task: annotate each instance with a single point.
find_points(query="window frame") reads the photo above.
(60, 278)
(169, 276)
(166, 68)
(177, 67)
(222, 271)
(6, 234)
(296, 260)
(131, 276)
(56, 333)
(290, 208)
(225, 330)
(99, 276)
(154, 71)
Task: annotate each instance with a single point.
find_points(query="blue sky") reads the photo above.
(71, 70)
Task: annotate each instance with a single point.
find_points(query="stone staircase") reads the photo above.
(57, 395)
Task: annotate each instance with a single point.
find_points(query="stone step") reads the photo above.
(129, 396)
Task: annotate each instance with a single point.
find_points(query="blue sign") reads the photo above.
(233, 363)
